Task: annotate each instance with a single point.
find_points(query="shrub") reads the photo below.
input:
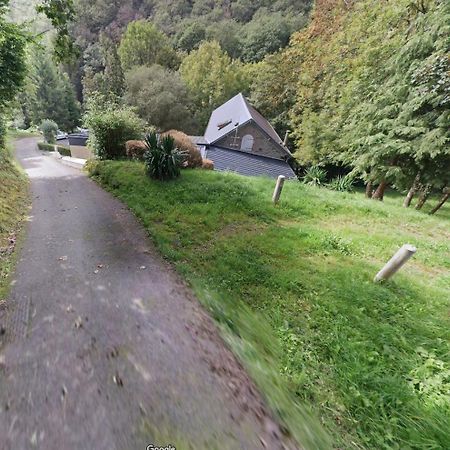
(193, 157)
(63, 151)
(92, 167)
(49, 130)
(135, 150)
(315, 176)
(207, 164)
(342, 184)
(111, 129)
(46, 147)
(163, 159)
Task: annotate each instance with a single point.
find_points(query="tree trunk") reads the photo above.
(441, 201)
(379, 193)
(369, 191)
(412, 192)
(424, 193)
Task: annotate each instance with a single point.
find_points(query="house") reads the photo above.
(239, 139)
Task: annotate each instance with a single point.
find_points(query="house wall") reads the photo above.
(263, 145)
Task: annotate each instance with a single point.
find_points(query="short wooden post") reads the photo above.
(396, 263)
(278, 189)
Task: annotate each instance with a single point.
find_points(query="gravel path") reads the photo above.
(103, 346)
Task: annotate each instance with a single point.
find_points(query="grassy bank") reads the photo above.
(13, 203)
(291, 288)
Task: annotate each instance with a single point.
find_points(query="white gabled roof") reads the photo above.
(235, 113)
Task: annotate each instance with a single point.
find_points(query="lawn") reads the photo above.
(291, 289)
(13, 207)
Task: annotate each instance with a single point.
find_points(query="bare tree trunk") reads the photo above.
(379, 193)
(412, 192)
(444, 198)
(424, 194)
(369, 189)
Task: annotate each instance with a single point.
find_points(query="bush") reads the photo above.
(135, 150)
(207, 164)
(46, 147)
(342, 184)
(92, 167)
(315, 176)
(63, 151)
(163, 159)
(193, 157)
(49, 130)
(111, 129)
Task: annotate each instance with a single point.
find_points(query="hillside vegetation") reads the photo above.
(291, 287)
(366, 86)
(13, 201)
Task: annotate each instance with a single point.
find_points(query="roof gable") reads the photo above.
(232, 115)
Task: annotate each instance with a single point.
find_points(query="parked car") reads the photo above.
(60, 135)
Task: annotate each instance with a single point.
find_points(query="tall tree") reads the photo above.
(144, 45)
(160, 98)
(212, 78)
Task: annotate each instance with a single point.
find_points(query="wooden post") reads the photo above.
(278, 189)
(396, 263)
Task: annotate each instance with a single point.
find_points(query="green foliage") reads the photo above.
(12, 58)
(212, 78)
(103, 71)
(342, 183)
(160, 98)
(366, 85)
(163, 159)
(46, 147)
(318, 332)
(2, 132)
(263, 35)
(61, 13)
(49, 128)
(110, 128)
(314, 176)
(13, 211)
(144, 45)
(48, 94)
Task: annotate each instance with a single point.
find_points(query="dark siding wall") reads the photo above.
(263, 145)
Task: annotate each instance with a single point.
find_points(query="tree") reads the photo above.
(51, 95)
(13, 42)
(190, 37)
(144, 45)
(212, 78)
(160, 98)
(263, 35)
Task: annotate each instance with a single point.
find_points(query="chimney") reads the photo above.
(286, 138)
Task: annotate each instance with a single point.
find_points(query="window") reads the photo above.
(247, 143)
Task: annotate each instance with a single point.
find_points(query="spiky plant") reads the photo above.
(163, 160)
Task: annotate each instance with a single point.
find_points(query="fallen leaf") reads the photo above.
(79, 322)
(118, 380)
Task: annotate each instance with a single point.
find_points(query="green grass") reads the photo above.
(291, 289)
(13, 204)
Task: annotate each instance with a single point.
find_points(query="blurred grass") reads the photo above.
(291, 289)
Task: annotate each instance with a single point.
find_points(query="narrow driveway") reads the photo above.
(103, 346)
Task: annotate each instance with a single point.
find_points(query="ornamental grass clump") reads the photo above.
(163, 159)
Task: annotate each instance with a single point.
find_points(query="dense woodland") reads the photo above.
(362, 86)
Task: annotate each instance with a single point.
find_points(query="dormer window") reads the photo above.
(222, 125)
